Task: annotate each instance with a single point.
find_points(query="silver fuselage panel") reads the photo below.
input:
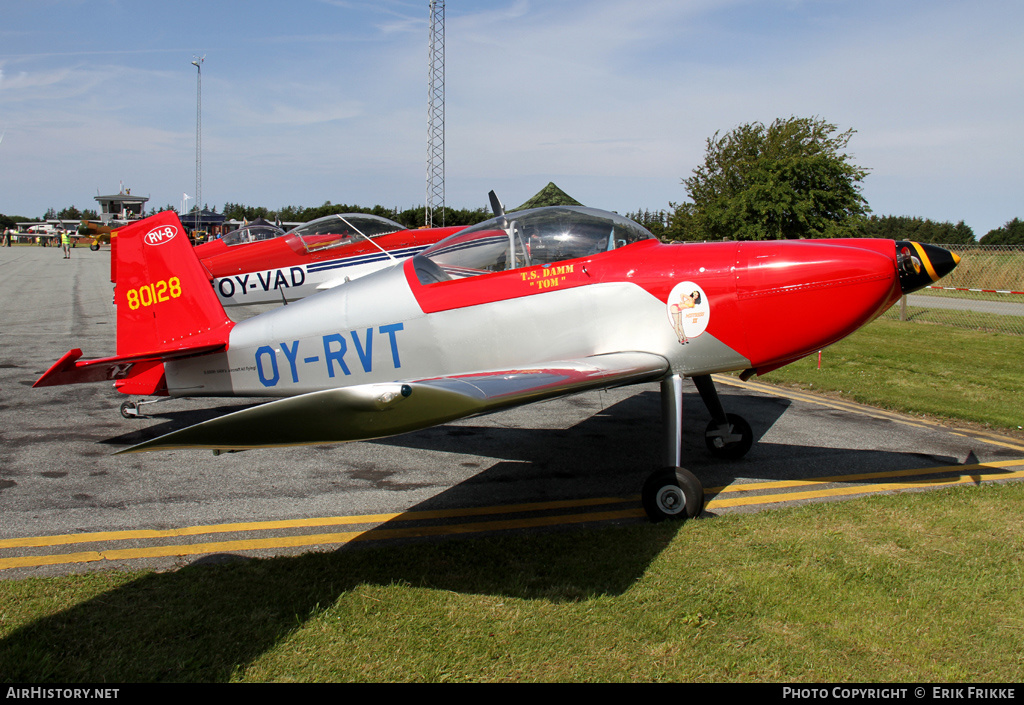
(374, 330)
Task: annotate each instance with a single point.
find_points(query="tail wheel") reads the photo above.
(672, 493)
(730, 441)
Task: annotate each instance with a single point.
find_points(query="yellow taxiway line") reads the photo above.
(721, 498)
(331, 539)
(924, 483)
(40, 541)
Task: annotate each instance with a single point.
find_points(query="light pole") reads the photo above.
(197, 62)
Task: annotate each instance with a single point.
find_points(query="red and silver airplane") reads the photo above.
(318, 255)
(524, 307)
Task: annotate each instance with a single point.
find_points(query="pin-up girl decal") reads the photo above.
(688, 311)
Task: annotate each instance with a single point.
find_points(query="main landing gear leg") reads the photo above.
(727, 436)
(672, 492)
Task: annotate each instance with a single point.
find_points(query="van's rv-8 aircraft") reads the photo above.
(527, 306)
(315, 256)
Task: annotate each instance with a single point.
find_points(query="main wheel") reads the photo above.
(672, 493)
(731, 442)
(94, 246)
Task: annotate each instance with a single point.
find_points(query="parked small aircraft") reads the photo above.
(318, 255)
(256, 231)
(524, 307)
(100, 234)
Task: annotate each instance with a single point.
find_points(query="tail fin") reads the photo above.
(166, 309)
(163, 296)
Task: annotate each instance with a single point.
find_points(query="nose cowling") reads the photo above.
(921, 265)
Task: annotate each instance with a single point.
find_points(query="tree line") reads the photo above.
(791, 179)
(667, 226)
(1010, 234)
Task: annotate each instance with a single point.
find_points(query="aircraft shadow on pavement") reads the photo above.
(609, 453)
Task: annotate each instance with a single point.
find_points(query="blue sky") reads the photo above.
(314, 100)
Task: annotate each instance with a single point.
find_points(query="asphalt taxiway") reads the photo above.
(69, 504)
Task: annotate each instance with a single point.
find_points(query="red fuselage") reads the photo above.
(771, 302)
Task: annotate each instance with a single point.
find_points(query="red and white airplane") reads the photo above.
(318, 255)
(250, 233)
(524, 307)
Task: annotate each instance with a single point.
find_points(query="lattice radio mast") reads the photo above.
(435, 115)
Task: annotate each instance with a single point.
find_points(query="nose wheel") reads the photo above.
(728, 436)
(730, 439)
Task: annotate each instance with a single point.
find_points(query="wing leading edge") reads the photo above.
(370, 411)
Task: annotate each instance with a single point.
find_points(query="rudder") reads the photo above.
(163, 295)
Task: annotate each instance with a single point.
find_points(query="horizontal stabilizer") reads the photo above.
(71, 370)
(372, 411)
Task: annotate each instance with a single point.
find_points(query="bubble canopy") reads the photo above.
(527, 238)
(252, 233)
(342, 229)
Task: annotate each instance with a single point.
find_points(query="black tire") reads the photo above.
(730, 451)
(672, 493)
(125, 406)
(94, 246)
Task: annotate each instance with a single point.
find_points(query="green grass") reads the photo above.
(923, 369)
(923, 587)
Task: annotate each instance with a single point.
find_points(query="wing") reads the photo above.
(377, 410)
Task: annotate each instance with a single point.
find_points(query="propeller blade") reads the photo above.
(499, 210)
